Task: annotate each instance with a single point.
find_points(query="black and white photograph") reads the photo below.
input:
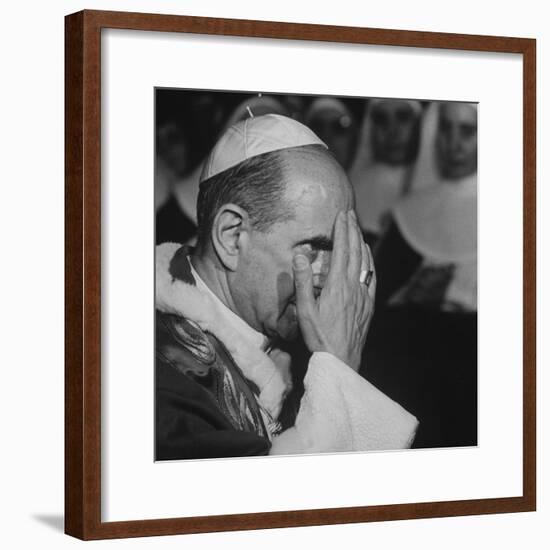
(254, 239)
(315, 274)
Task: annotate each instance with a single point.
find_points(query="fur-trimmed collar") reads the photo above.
(177, 292)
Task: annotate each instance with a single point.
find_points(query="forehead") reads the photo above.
(459, 113)
(313, 175)
(317, 188)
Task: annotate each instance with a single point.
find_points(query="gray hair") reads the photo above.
(257, 185)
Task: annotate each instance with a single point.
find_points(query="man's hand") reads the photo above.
(338, 321)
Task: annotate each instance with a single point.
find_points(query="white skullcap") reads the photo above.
(255, 136)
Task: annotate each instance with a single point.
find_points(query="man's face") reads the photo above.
(263, 286)
(395, 132)
(457, 140)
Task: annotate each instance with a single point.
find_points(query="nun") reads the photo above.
(423, 342)
(428, 258)
(333, 122)
(385, 155)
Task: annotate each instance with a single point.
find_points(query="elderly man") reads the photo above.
(279, 253)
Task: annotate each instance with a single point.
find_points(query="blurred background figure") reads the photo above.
(386, 151)
(172, 160)
(333, 122)
(172, 163)
(428, 257)
(208, 118)
(422, 347)
(295, 105)
(185, 125)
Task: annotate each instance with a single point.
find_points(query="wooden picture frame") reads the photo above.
(83, 274)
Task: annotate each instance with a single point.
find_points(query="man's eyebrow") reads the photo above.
(319, 242)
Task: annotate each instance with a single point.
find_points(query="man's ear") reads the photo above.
(230, 232)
